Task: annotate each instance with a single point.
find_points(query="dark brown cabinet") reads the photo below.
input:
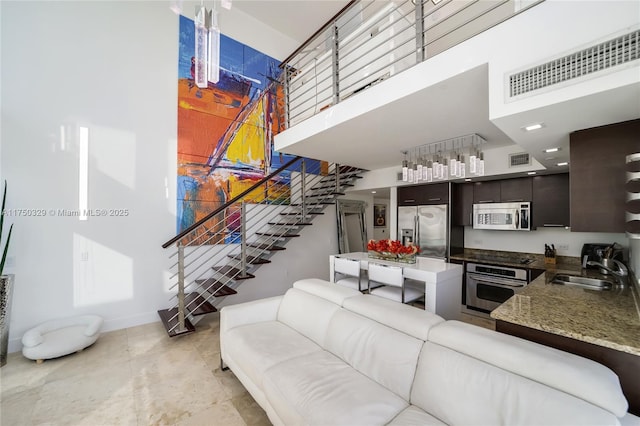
(598, 175)
(550, 201)
(462, 204)
(502, 191)
(513, 190)
(414, 195)
(486, 192)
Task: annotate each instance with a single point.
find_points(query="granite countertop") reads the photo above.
(606, 318)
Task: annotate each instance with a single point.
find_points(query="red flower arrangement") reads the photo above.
(393, 247)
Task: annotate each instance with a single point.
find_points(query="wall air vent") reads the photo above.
(519, 159)
(617, 51)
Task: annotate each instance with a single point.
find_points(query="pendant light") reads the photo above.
(405, 168)
(201, 38)
(213, 70)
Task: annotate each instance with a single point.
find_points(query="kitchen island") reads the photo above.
(600, 325)
(443, 281)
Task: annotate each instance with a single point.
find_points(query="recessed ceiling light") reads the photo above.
(564, 163)
(467, 180)
(532, 127)
(531, 173)
(373, 192)
(551, 150)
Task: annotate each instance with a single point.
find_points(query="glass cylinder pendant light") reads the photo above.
(214, 48)
(462, 167)
(405, 168)
(418, 171)
(445, 169)
(200, 58)
(480, 164)
(472, 162)
(429, 171)
(453, 165)
(410, 172)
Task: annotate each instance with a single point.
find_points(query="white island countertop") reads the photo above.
(425, 269)
(443, 281)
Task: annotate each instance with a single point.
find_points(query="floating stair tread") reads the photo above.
(330, 186)
(191, 300)
(325, 194)
(268, 247)
(232, 272)
(165, 317)
(254, 260)
(316, 203)
(213, 286)
(300, 213)
(276, 234)
(290, 223)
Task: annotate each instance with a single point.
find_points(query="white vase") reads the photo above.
(6, 292)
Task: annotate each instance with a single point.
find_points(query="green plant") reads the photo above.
(6, 244)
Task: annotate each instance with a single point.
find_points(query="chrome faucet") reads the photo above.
(621, 273)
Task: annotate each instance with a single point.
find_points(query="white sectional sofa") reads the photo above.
(323, 354)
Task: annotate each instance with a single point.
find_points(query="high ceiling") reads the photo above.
(299, 19)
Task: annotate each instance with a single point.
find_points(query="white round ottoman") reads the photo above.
(59, 337)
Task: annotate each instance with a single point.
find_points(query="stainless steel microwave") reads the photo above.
(502, 216)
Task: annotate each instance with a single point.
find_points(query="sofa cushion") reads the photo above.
(321, 389)
(412, 321)
(412, 416)
(459, 389)
(256, 347)
(327, 290)
(575, 375)
(379, 352)
(307, 314)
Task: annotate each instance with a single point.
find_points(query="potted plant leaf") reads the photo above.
(6, 287)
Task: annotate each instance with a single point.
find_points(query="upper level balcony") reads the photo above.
(386, 76)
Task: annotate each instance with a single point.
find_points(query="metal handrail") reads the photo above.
(260, 204)
(227, 204)
(356, 50)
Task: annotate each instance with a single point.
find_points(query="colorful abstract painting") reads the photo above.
(225, 132)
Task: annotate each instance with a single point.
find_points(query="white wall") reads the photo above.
(112, 67)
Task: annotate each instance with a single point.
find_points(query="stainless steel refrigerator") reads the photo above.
(425, 226)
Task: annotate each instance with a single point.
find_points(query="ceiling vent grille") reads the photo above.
(617, 51)
(520, 159)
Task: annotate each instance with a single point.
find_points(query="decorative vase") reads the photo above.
(6, 292)
(407, 258)
(382, 255)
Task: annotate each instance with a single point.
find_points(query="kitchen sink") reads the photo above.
(584, 282)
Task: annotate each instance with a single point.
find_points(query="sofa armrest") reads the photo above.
(630, 420)
(232, 316)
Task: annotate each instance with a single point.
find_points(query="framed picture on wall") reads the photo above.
(379, 215)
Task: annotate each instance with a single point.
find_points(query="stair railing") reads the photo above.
(370, 41)
(245, 229)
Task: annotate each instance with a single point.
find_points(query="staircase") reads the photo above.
(216, 254)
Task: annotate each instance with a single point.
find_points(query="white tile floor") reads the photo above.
(137, 376)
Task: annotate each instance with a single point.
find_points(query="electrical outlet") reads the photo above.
(10, 262)
(563, 247)
(477, 241)
(84, 256)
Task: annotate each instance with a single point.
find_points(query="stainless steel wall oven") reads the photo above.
(489, 286)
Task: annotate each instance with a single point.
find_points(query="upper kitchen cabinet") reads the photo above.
(486, 192)
(502, 191)
(514, 190)
(550, 201)
(462, 204)
(597, 176)
(414, 195)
